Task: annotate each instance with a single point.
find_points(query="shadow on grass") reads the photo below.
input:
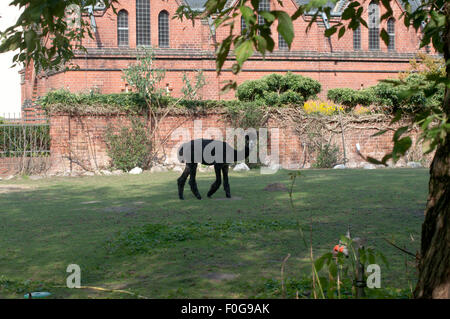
(73, 220)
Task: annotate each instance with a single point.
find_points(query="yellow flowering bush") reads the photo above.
(322, 107)
(361, 110)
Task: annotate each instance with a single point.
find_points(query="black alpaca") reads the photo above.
(221, 162)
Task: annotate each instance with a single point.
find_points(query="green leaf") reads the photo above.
(379, 133)
(341, 32)
(230, 85)
(397, 117)
(243, 51)
(348, 13)
(399, 132)
(222, 53)
(332, 268)
(269, 17)
(401, 146)
(318, 264)
(285, 26)
(248, 14)
(298, 13)
(261, 43)
(373, 160)
(384, 36)
(329, 32)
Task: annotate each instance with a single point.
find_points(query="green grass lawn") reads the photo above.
(133, 233)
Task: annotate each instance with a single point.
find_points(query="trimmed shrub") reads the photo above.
(252, 90)
(307, 87)
(291, 97)
(365, 97)
(350, 97)
(276, 89)
(386, 95)
(408, 95)
(344, 96)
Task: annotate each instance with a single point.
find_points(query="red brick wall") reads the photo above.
(77, 142)
(192, 49)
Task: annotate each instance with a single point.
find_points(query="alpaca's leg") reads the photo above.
(215, 186)
(182, 181)
(192, 181)
(226, 184)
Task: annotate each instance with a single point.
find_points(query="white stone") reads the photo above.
(136, 171)
(35, 177)
(241, 167)
(105, 172)
(169, 161)
(87, 173)
(414, 165)
(339, 166)
(117, 172)
(9, 177)
(158, 169)
(369, 166)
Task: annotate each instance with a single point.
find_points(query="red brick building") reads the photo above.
(359, 59)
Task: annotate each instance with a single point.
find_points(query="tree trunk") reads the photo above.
(434, 263)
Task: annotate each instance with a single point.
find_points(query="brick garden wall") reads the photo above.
(77, 142)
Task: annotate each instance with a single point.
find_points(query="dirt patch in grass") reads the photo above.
(220, 276)
(13, 188)
(276, 187)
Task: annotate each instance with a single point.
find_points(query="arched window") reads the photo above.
(282, 44)
(374, 26)
(264, 5)
(143, 22)
(122, 28)
(391, 33)
(357, 39)
(243, 25)
(163, 29)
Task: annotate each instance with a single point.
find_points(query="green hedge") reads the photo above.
(276, 89)
(350, 98)
(96, 103)
(391, 96)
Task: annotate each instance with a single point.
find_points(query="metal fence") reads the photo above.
(24, 144)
